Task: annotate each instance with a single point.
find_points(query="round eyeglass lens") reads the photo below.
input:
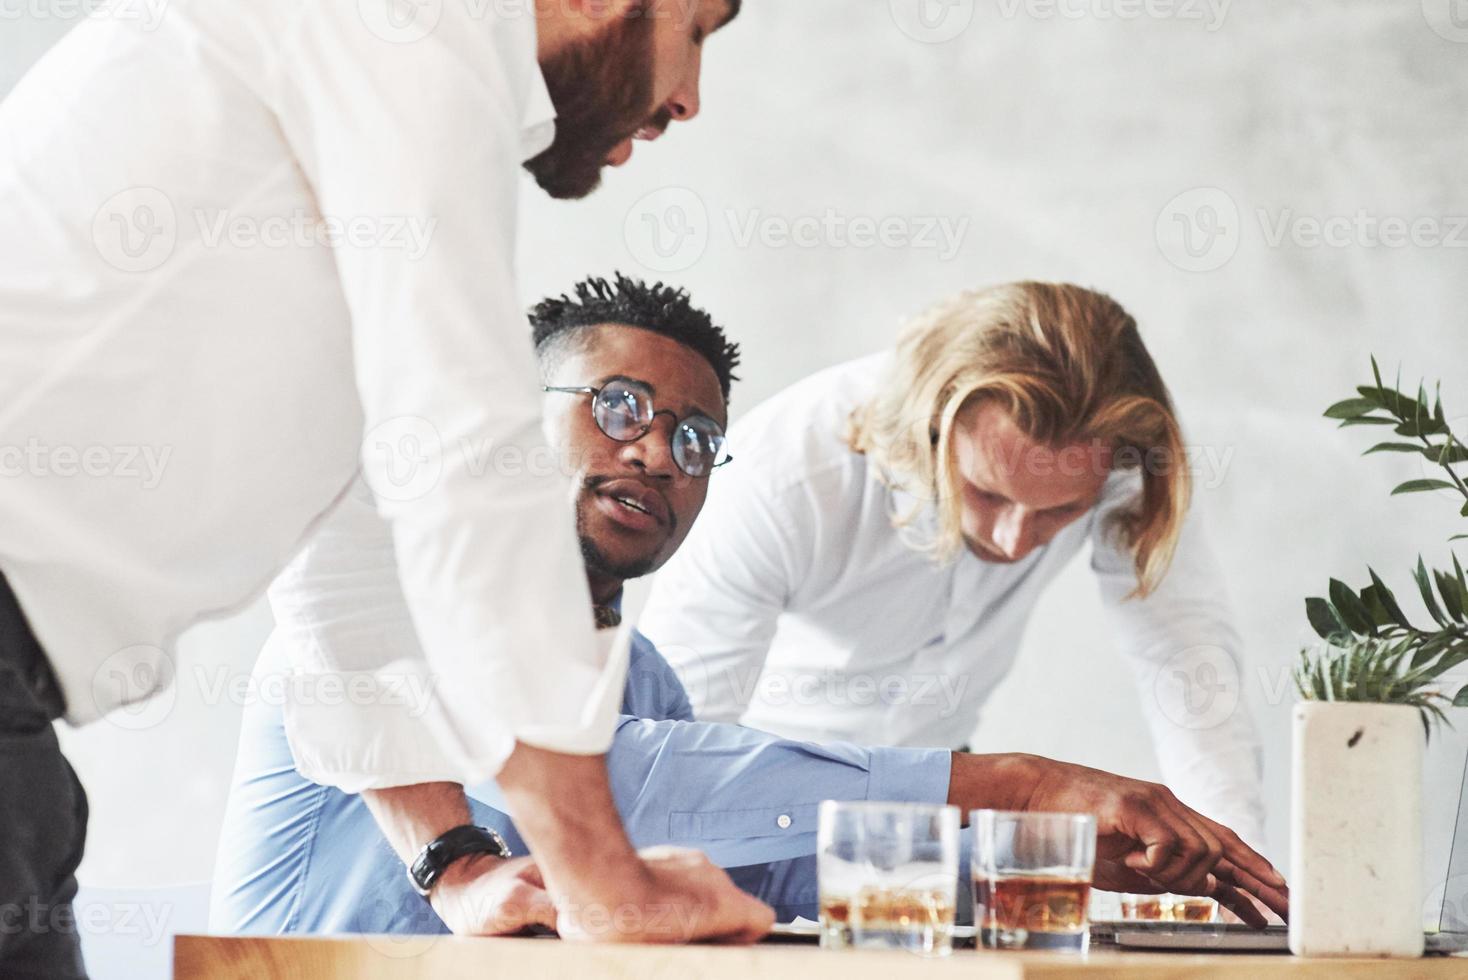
(623, 411)
(698, 446)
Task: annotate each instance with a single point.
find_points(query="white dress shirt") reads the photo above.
(796, 607)
(246, 251)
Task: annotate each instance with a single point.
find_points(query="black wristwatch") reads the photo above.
(447, 848)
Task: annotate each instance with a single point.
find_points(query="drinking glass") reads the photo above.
(1032, 878)
(888, 876)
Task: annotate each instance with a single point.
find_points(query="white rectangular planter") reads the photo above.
(1356, 830)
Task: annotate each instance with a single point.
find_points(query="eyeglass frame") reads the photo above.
(595, 392)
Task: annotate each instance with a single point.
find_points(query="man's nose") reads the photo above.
(1013, 533)
(683, 105)
(653, 453)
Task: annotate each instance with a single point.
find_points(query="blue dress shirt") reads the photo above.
(295, 856)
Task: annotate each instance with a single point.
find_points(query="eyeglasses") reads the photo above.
(624, 411)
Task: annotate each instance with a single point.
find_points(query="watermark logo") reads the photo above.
(1210, 13)
(1198, 688)
(668, 230)
(1447, 18)
(832, 229)
(136, 230)
(141, 463)
(1199, 230)
(411, 234)
(135, 686)
(932, 21)
(145, 14)
(401, 21)
(402, 458)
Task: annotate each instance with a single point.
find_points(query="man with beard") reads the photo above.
(202, 261)
(637, 383)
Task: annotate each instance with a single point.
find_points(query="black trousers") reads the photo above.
(43, 812)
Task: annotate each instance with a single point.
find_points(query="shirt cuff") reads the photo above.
(909, 775)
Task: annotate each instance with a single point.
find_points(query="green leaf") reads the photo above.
(1350, 408)
(1463, 513)
(1324, 619)
(1388, 599)
(1351, 609)
(1418, 486)
(1369, 420)
(1424, 585)
(1394, 402)
(1448, 454)
(1397, 447)
(1418, 427)
(1461, 699)
(1459, 537)
(1447, 587)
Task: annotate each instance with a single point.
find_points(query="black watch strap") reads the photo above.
(448, 847)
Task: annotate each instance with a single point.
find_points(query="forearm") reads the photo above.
(411, 816)
(563, 807)
(1002, 781)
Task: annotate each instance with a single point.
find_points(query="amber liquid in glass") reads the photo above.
(1032, 911)
(919, 921)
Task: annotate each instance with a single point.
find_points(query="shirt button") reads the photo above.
(783, 821)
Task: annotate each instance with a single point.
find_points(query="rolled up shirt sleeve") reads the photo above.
(1187, 659)
(364, 707)
(481, 521)
(747, 797)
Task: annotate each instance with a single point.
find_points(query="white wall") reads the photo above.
(1059, 147)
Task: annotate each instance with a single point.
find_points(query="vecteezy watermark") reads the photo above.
(134, 687)
(932, 21)
(827, 687)
(412, 691)
(144, 464)
(146, 14)
(138, 230)
(1362, 229)
(302, 229)
(1198, 688)
(1209, 13)
(832, 229)
(146, 922)
(1447, 18)
(1201, 230)
(670, 229)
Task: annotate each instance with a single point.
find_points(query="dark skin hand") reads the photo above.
(1147, 841)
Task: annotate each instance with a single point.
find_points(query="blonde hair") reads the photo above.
(1067, 365)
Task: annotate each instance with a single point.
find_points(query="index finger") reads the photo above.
(1244, 857)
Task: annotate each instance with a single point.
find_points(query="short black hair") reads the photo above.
(625, 301)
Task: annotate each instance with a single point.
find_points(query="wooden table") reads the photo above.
(445, 958)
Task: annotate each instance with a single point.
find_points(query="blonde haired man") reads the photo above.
(868, 568)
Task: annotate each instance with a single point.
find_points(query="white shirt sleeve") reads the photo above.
(364, 707)
(714, 608)
(430, 130)
(1187, 659)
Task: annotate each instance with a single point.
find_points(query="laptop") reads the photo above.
(1449, 936)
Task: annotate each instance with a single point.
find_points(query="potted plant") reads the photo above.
(1370, 697)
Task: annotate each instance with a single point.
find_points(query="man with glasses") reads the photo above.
(637, 384)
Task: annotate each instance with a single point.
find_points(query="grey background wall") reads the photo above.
(1274, 188)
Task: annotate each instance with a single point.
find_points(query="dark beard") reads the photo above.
(603, 91)
(599, 564)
